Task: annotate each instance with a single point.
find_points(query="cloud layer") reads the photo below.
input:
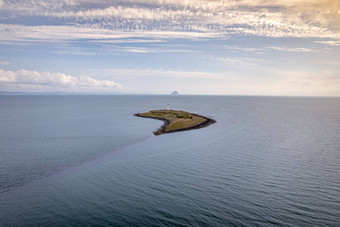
(47, 81)
(172, 19)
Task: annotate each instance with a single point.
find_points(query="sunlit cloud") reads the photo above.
(331, 42)
(47, 81)
(298, 18)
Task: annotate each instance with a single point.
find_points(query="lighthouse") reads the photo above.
(167, 107)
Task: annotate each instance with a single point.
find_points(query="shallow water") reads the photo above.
(86, 160)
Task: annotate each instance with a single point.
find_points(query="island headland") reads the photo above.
(176, 120)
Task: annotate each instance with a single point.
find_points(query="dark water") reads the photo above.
(85, 160)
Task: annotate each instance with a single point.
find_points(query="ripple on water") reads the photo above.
(259, 165)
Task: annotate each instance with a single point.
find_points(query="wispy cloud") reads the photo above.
(330, 42)
(291, 49)
(265, 49)
(163, 73)
(152, 50)
(18, 33)
(114, 50)
(120, 41)
(234, 61)
(47, 81)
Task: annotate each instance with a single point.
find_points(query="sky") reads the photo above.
(215, 47)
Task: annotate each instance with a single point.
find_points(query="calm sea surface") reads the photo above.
(86, 160)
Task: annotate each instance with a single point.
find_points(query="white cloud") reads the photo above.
(235, 61)
(291, 49)
(119, 41)
(47, 81)
(331, 42)
(17, 33)
(37, 6)
(143, 50)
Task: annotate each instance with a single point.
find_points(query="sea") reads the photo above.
(85, 160)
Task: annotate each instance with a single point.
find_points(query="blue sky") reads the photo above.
(258, 47)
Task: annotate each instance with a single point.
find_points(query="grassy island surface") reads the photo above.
(176, 120)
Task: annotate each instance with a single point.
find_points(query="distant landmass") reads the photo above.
(175, 93)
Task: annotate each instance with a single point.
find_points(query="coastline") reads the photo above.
(163, 129)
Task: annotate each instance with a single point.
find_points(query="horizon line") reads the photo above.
(23, 93)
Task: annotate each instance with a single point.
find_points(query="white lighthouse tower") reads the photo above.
(167, 107)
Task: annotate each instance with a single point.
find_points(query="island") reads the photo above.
(174, 93)
(177, 120)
